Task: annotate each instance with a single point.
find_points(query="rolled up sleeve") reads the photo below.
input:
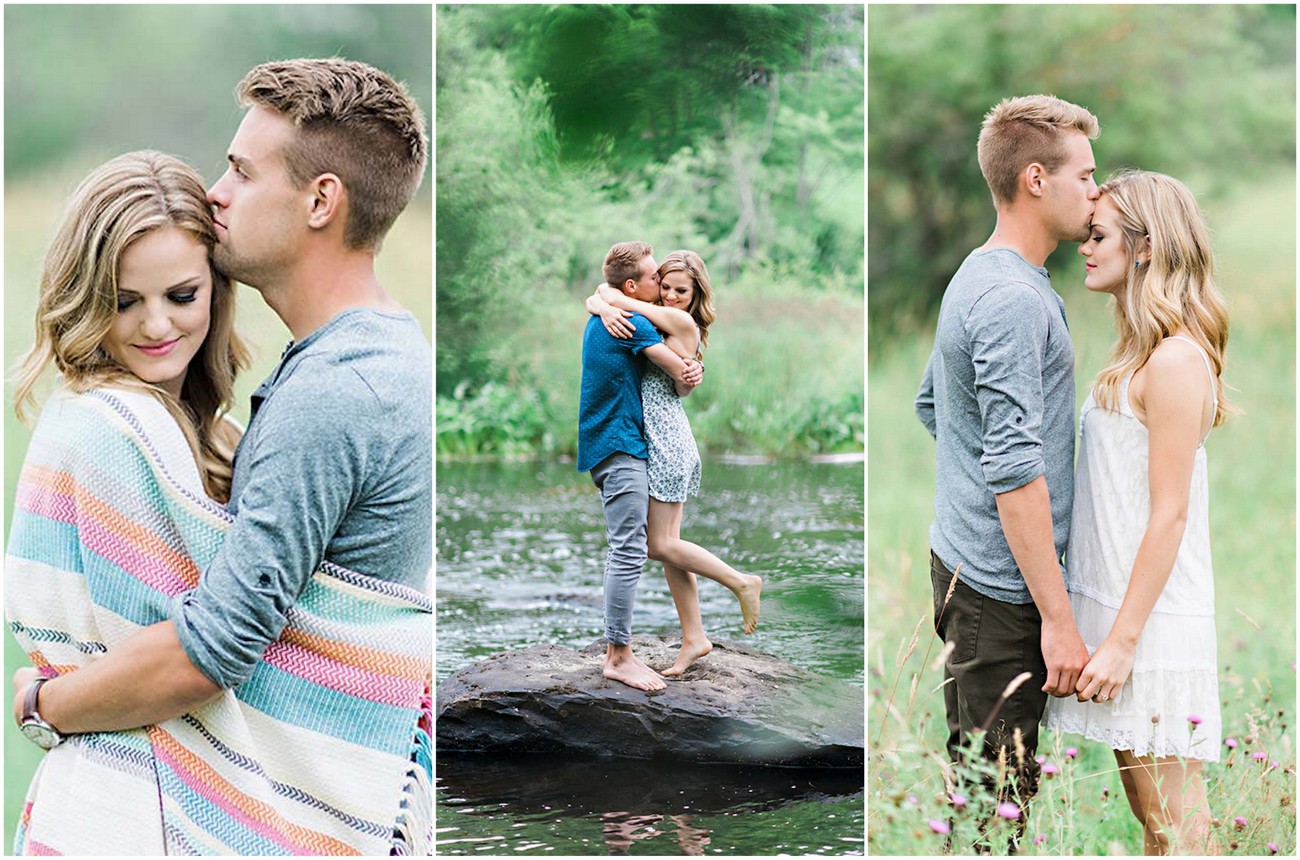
(924, 403)
(305, 470)
(1008, 329)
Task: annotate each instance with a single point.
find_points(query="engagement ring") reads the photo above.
(1101, 698)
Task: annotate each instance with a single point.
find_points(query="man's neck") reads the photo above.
(319, 290)
(1023, 234)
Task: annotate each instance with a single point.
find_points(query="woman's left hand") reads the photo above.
(616, 321)
(22, 680)
(1106, 673)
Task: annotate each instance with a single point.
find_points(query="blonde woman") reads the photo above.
(1140, 576)
(140, 329)
(683, 316)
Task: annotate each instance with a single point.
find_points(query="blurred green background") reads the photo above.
(734, 131)
(86, 83)
(1206, 94)
(1203, 93)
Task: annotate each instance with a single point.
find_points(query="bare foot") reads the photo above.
(623, 667)
(749, 599)
(691, 651)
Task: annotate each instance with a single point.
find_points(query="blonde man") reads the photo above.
(998, 396)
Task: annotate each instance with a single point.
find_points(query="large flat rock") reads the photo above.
(736, 705)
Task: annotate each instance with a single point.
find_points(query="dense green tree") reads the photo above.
(732, 130)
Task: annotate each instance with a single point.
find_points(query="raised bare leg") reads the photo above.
(663, 536)
(686, 597)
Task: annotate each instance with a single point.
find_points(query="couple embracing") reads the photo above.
(1122, 636)
(641, 352)
(230, 627)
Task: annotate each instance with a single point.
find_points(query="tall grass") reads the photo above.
(1081, 809)
(783, 376)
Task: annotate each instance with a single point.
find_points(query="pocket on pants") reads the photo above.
(959, 620)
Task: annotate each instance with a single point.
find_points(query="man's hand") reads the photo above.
(1107, 672)
(1065, 656)
(23, 679)
(694, 373)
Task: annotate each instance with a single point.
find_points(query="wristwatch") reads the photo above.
(32, 726)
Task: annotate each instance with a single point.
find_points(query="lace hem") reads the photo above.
(1199, 748)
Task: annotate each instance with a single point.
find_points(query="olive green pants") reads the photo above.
(993, 643)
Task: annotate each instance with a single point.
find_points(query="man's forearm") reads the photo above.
(1026, 515)
(144, 680)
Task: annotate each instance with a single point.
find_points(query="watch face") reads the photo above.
(43, 736)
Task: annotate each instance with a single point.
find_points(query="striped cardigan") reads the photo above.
(325, 750)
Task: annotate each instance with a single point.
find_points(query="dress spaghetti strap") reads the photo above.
(1214, 380)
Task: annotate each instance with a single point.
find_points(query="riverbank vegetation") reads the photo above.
(732, 131)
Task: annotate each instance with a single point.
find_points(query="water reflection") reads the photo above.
(621, 802)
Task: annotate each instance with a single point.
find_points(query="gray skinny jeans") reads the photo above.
(625, 494)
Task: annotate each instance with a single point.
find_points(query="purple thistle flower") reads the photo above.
(1009, 811)
(958, 800)
(1071, 752)
(1194, 720)
(1272, 849)
(939, 826)
(1050, 769)
(1230, 743)
(1040, 759)
(1039, 839)
(1259, 755)
(911, 800)
(1239, 822)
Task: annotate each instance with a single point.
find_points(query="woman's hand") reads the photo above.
(1106, 673)
(616, 322)
(22, 680)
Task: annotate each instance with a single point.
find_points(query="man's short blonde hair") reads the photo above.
(623, 262)
(354, 121)
(1020, 131)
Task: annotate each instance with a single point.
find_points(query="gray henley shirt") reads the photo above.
(998, 396)
(336, 464)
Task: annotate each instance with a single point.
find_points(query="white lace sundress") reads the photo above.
(1175, 674)
(674, 460)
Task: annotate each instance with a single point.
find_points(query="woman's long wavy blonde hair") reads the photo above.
(701, 307)
(115, 205)
(1174, 291)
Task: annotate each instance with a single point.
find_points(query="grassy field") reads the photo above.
(784, 377)
(1082, 810)
(32, 208)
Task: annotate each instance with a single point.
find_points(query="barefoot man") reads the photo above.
(611, 445)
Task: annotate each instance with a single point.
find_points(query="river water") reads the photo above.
(520, 561)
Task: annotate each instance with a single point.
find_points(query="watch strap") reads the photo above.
(29, 700)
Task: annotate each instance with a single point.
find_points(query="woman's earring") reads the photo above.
(1137, 264)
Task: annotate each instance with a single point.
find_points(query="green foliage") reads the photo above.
(1204, 93)
(494, 421)
(733, 131)
(783, 376)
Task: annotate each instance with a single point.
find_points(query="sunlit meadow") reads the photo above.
(1081, 808)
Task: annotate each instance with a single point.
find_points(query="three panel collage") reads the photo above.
(444, 429)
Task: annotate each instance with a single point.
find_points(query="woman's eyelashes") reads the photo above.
(179, 297)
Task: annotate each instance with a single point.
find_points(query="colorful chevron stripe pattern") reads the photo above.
(325, 750)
